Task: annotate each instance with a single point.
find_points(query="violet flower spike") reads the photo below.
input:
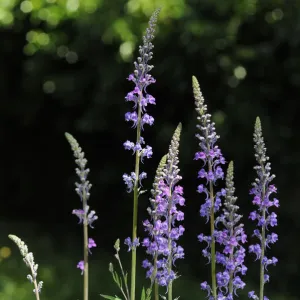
(85, 216)
(162, 228)
(211, 172)
(141, 98)
(231, 238)
(139, 119)
(262, 190)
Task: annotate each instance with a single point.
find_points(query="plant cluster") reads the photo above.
(225, 245)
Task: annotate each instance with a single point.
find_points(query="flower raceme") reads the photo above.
(29, 261)
(141, 99)
(231, 239)
(164, 214)
(262, 191)
(212, 159)
(85, 216)
(139, 117)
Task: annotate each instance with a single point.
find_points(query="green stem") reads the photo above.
(85, 252)
(135, 202)
(212, 226)
(124, 278)
(156, 291)
(262, 270)
(170, 285)
(262, 245)
(212, 229)
(231, 259)
(213, 244)
(37, 295)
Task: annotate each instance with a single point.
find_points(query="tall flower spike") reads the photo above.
(164, 213)
(231, 238)
(262, 190)
(141, 98)
(85, 216)
(29, 261)
(211, 172)
(152, 243)
(139, 118)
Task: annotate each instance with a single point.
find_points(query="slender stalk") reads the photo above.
(37, 295)
(85, 252)
(170, 290)
(124, 276)
(156, 287)
(213, 244)
(156, 291)
(263, 240)
(212, 229)
(230, 286)
(170, 285)
(135, 202)
(262, 270)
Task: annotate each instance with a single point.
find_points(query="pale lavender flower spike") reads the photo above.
(262, 199)
(85, 215)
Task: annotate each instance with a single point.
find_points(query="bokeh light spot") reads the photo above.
(49, 87)
(26, 6)
(240, 72)
(5, 252)
(71, 57)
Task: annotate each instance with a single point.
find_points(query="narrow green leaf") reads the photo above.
(110, 297)
(143, 296)
(117, 279)
(125, 279)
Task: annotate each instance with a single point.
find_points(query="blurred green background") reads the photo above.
(64, 65)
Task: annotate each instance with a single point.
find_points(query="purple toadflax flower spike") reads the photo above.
(231, 238)
(211, 172)
(83, 190)
(141, 98)
(139, 118)
(261, 191)
(164, 212)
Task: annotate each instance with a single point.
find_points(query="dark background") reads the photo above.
(63, 68)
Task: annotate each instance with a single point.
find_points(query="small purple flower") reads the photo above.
(91, 244)
(262, 191)
(132, 245)
(164, 212)
(80, 266)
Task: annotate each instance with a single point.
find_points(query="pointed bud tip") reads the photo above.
(69, 137)
(195, 81)
(230, 168)
(257, 122)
